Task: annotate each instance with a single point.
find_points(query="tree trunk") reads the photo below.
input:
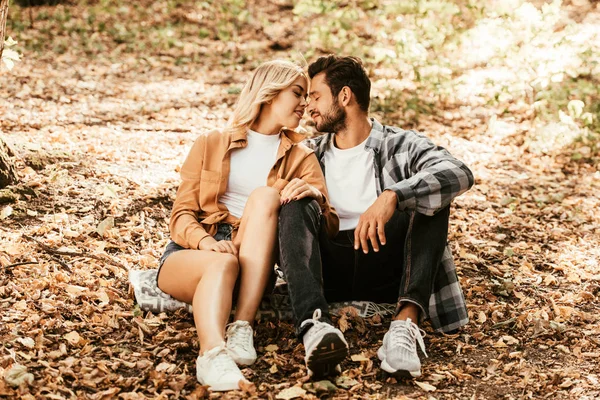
(3, 17)
(8, 174)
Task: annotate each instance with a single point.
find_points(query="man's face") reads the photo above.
(323, 108)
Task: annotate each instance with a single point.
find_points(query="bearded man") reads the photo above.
(392, 189)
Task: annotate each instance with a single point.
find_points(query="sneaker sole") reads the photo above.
(327, 355)
(244, 361)
(396, 373)
(223, 386)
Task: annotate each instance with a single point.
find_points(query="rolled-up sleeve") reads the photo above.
(434, 176)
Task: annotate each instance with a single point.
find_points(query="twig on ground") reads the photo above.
(503, 323)
(19, 263)
(74, 253)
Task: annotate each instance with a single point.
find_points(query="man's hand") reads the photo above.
(223, 246)
(371, 224)
(298, 189)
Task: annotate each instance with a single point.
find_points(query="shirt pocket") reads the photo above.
(210, 176)
(209, 190)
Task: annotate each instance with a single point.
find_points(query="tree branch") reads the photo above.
(3, 18)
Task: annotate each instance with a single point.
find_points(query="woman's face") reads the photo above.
(289, 104)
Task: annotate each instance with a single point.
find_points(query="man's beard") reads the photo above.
(334, 120)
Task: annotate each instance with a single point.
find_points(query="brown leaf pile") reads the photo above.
(100, 142)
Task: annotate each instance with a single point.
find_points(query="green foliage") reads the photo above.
(426, 55)
(37, 3)
(403, 40)
(129, 26)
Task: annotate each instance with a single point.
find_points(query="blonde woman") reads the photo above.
(224, 219)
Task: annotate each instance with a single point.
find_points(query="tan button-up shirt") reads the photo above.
(205, 173)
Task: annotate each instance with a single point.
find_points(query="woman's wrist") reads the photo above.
(206, 242)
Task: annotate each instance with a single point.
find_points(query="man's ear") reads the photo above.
(345, 96)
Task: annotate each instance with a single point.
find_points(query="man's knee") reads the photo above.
(306, 207)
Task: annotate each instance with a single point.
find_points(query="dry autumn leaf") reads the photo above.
(109, 97)
(17, 375)
(426, 386)
(291, 393)
(73, 338)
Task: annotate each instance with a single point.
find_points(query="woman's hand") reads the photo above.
(298, 189)
(223, 246)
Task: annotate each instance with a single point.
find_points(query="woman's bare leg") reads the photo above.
(206, 280)
(256, 239)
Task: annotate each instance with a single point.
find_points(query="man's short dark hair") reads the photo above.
(344, 71)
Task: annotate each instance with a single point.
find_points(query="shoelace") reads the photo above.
(317, 325)
(221, 360)
(239, 334)
(405, 336)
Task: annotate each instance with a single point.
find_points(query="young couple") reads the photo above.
(253, 195)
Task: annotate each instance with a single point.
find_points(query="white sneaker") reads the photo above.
(324, 345)
(240, 342)
(398, 354)
(217, 369)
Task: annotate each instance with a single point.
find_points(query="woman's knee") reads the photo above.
(227, 264)
(264, 198)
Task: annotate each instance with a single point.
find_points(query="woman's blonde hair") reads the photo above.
(266, 82)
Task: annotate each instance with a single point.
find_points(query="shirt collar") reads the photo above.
(376, 136)
(287, 135)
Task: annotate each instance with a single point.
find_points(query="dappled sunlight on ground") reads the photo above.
(100, 136)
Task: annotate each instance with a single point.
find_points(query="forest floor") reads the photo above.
(98, 142)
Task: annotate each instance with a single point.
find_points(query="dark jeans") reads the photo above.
(320, 270)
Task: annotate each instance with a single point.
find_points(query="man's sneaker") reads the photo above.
(240, 342)
(398, 354)
(218, 371)
(325, 347)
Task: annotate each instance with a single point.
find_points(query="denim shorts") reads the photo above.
(224, 232)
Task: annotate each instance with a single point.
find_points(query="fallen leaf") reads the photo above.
(291, 393)
(75, 290)
(425, 386)
(105, 225)
(17, 375)
(510, 340)
(320, 386)
(248, 388)
(343, 323)
(358, 357)
(6, 212)
(27, 342)
(165, 367)
(73, 338)
(271, 348)
(563, 348)
(103, 297)
(346, 382)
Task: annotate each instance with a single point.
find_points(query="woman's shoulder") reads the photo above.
(297, 140)
(214, 136)
(302, 148)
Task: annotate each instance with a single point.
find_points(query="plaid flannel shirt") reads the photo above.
(426, 178)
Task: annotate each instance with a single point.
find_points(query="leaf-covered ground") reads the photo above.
(100, 123)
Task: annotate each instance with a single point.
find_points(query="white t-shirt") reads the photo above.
(350, 178)
(249, 170)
